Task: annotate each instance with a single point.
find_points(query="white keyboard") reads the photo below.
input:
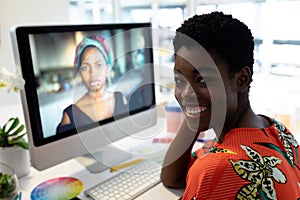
(128, 184)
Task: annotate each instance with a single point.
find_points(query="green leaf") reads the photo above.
(15, 122)
(20, 143)
(17, 137)
(11, 134)
(19, 130)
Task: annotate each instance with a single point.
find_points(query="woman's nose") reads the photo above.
(93, 71)
(188, 91)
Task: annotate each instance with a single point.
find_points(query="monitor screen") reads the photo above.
(80, 79)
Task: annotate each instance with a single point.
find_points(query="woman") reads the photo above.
(92, 62)
(254, 156)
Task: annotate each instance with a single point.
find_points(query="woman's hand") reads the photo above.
(175, 165)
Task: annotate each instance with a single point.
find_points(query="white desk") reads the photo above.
(74, 169)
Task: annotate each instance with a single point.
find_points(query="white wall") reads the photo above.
(22, 12)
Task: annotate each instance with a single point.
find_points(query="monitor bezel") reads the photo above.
(29, 94)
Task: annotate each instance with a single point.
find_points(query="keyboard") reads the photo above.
(129, 183)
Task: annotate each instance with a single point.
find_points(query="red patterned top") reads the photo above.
(251, 163)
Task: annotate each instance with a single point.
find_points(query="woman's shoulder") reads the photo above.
(72, 110)
(118, 94)
(69, 108)
(216, 156)
(120, 99)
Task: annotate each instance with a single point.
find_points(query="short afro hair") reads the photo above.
(222, 34)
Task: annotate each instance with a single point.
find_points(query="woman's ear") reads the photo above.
(243, 79)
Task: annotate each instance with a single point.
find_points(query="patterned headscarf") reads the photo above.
(94, 40)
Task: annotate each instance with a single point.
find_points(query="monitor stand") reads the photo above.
(103, 159)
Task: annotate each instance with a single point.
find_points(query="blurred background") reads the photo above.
(275, 90)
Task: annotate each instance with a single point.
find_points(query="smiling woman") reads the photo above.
(253, 156)
(92, 64)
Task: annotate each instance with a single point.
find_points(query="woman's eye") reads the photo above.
(179, 81)
(84, 68)
(99, 65)
(201, 81)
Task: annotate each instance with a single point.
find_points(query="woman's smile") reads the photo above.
(95, 83)
(194, 111)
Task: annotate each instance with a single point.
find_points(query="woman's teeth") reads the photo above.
(94, 83)
(195, 110)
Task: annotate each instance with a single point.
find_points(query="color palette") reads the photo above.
(58, 188)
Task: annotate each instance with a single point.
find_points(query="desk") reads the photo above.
(74, 169)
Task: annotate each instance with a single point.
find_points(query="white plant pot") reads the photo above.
(17, 158)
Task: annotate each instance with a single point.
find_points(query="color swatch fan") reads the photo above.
(57, 188)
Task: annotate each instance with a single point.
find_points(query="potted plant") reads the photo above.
(13, 146)
(8, 183)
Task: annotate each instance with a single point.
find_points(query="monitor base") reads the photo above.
(103, 159)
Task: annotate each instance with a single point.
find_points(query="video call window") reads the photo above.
(61, 66)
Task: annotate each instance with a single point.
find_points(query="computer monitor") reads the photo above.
(49, 58)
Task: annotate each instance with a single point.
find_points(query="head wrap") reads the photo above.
(94, 40)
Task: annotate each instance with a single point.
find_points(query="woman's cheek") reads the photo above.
(178, 94)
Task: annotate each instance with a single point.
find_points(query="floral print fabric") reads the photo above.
(251, 163)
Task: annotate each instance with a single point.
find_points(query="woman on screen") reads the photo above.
(92, 63)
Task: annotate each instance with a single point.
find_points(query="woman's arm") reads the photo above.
(175, 165)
